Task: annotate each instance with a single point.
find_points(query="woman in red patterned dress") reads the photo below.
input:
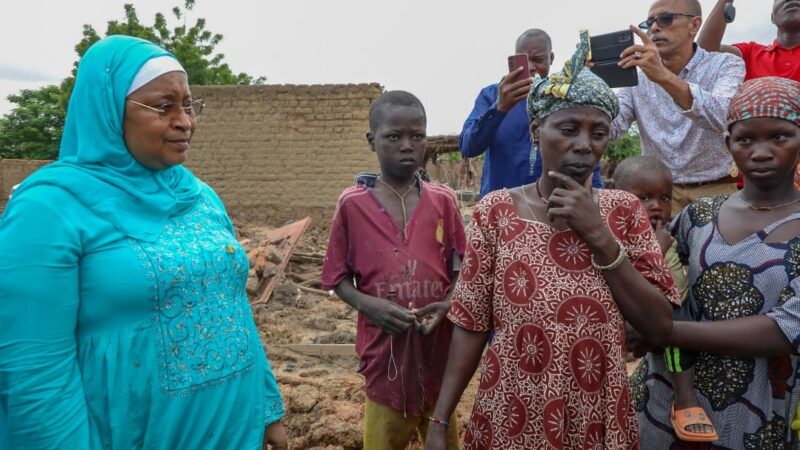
(554, 268)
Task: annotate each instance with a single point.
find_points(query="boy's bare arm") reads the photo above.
(388, 316)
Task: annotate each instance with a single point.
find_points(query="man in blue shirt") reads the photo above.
(499, 125)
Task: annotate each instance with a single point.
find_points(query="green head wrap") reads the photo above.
(572, 87)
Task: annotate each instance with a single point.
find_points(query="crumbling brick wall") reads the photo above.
(273, 153)
(13, 171)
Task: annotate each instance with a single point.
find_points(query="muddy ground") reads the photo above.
(323, 395)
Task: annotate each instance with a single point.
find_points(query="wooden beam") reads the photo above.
(286, 238)
(313, 291)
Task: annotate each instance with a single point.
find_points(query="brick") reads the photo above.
(272, 153)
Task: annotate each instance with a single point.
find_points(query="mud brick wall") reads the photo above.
(272, 153)
(276, 153)
(13, 171)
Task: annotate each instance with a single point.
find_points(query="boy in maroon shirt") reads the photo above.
(395, 247)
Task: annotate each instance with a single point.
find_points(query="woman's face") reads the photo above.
(766, 150)
(159, 141)
(572, 140)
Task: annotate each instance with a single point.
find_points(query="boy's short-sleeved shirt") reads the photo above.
(771, 60)
(403, 371)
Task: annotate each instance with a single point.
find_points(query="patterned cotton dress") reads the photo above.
(751, 401)
(554, 375)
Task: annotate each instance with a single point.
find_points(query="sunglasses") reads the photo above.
(663, 20)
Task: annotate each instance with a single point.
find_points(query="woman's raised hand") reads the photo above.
(575, 205)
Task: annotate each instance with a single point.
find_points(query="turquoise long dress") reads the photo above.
(115, 343)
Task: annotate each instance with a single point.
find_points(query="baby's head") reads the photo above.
(651, 181)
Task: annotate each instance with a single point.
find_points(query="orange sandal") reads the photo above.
(695, 415)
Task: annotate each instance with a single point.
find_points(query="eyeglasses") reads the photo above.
(664, 20)
(169, 111)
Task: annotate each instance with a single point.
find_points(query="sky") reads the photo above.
(443, 51)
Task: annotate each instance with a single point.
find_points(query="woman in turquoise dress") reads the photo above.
(123, 316)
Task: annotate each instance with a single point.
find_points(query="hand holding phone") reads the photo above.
(606, 50)
(515, 62)
(514, 86)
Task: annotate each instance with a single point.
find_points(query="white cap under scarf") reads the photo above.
(153, 69)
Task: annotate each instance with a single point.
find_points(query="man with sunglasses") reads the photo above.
(681, 101)
(779, 59)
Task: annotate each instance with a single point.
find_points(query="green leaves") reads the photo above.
(33, 129)
(622, 148)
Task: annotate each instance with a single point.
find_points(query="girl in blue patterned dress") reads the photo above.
(123, 316)
(743, 255)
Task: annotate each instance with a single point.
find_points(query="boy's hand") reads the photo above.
(663, 236)
(275, 437)
(436, 438)
(508, 93)
(430, 316)
(388, 316)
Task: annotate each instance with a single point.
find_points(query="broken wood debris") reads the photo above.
(269, 257)
(313, 291)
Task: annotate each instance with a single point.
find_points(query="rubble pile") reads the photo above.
(309, 336)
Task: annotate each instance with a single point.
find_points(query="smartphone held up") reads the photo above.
(606, 49)
(517, 61)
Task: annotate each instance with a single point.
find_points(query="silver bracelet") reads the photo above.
(614, 264)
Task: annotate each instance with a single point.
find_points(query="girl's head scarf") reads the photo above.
(773, 97)
(572, 87)
(94, 164)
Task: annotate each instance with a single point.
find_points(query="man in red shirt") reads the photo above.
(779, 59)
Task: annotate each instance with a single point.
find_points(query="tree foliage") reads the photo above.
(625, 147)
(622, 148)
(32, 130)
(192, 45)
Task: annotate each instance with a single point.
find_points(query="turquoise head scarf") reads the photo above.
(572, 87)
(94, 164)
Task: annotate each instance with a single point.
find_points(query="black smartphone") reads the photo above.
(606, 49)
